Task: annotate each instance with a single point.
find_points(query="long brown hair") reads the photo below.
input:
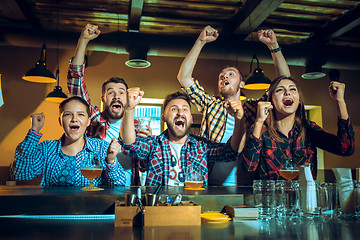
(300, 118)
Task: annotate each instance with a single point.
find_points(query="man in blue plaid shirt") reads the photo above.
(169, 156)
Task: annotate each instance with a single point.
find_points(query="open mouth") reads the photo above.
(225, 83)
(74, 127)
(116, 106)
(180, 122)
(288, 102)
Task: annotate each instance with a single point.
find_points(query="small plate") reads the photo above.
(194, 189)
(215, 217)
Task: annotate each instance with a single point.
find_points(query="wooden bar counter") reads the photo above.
(28, 212)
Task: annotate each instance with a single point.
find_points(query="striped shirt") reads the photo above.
(196, 152)
(33, 158)
(267, 156)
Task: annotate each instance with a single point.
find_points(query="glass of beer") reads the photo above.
(91, 169)
(290, 170)
(193, 179)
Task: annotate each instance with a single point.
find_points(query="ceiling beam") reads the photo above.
(336, 28)
(25, 8)
(249, 17)
(135, 14)
(11, 10)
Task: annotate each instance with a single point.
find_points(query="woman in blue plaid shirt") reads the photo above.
(59, 161)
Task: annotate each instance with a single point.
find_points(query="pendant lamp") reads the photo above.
(57, 95)
(258, 81)
(40, 73)
(242, 96)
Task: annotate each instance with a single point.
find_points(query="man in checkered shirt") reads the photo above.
(174, 153)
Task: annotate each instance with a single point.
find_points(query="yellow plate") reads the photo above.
(95, 189)
(215, 217)
(194, 189)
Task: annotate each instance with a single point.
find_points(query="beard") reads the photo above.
(178, 133)
(115, 115)
(229, 91)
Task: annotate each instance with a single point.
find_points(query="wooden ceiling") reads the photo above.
(327, 22)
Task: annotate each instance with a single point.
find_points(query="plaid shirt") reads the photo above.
(76, 85)
(196, 152)
(214, 113)
(58, 169)
(267, 156)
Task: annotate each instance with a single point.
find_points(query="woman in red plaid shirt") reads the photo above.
(281, 131)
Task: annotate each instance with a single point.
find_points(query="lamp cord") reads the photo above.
(252, 40)
(252, 60)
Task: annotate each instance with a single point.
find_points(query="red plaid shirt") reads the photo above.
(196, 152)
(266, 156)
(77, 87)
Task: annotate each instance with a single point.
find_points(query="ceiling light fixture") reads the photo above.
(137, 57)
(257, 81)
(313, 69)
(57, 94)
(40, 73)
(242, 96)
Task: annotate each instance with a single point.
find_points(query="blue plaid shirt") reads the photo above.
(58, 169)
(196, 152)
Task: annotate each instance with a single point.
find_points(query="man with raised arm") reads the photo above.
(217, 125)
(104, 125)
(168, 156)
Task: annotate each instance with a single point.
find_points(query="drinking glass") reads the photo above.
(328, 199)
(287, 198)
(91, 170)
(346, 198)
(310, 200)
(290, 170)
(193, 179)
(144, 122)
(264, 198)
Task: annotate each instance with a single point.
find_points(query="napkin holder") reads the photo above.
(184, 214)
(308, 201)
(345, 188)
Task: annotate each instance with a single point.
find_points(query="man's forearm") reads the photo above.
(187, 66)
(79, 56)
(238, 138)
(127, 130)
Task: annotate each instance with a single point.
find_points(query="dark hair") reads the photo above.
(299, 114)
(75, 98)
(114, 80)
(176, 95)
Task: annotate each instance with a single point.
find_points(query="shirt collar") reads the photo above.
(164, 137)
(293, 132)
(88, 147)
(104, 117)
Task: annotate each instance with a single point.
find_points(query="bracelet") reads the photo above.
(275, 50)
